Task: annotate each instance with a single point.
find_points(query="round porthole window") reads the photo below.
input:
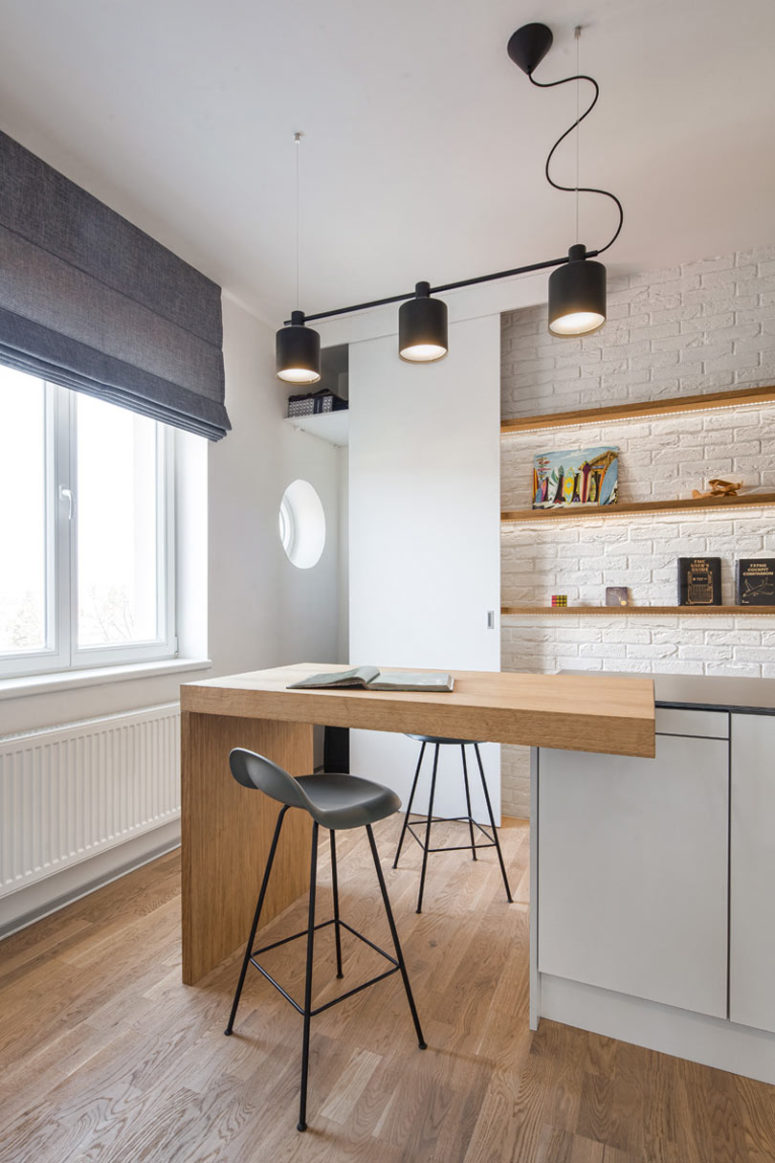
(302, 525)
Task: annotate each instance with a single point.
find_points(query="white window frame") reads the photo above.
(61, 652)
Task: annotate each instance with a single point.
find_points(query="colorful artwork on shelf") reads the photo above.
(587, 476)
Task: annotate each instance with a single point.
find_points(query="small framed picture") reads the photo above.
(584, 476)
(617, 596)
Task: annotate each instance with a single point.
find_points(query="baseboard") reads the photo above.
(697, 1037)
(30, 904)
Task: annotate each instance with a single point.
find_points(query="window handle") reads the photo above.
(67, 495)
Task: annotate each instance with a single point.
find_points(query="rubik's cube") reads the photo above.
(559, 599)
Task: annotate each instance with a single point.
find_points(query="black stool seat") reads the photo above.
(441, 740)
(334, 801)
(346, 801)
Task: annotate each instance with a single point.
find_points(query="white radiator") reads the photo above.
(69, 793)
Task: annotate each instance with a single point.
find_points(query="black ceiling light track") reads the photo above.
(577, 287)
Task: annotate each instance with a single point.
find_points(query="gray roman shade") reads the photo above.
(89, 301)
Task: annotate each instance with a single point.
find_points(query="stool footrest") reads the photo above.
(342, 996)
(412, 824)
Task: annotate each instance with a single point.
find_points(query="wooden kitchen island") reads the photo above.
(226, 831)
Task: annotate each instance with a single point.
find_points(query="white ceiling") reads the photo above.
(424, 145)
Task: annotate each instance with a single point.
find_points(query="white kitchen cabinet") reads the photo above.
(633, 868)
(752, 884)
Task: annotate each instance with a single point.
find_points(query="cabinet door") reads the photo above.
(752, 895)
(632, 871)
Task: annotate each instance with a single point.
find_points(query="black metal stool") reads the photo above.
(335, 801)
(492, 841)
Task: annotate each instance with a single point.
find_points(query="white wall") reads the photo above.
(263, 610)
(424, 555)
(702, 327)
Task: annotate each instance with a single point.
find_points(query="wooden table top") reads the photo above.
(612, 715)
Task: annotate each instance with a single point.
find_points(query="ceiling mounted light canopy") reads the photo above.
(577, 287)
(422, 327)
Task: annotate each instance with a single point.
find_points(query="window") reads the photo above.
(302, 525)
(86, 531)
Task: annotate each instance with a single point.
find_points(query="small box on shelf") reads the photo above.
(617, 596)
(311, 403)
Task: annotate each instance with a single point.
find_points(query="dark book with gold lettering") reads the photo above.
(699, 581)
(756, 581)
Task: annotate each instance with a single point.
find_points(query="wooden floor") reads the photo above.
(106, 1057)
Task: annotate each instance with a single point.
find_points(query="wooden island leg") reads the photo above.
(226, 831)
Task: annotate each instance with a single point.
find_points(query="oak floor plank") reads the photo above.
(105, 1057)
(564, 1147)
(757, 1104)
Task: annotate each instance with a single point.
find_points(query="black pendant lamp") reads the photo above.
(297, 347)
(422, 327)
(577, 295)
(297, 351)
(577, 288)
(577, 285)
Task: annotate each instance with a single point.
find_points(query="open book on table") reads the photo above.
(371, 679)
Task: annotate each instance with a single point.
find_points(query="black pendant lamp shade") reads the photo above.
(422, 327)
(297, 349)
(577, 295)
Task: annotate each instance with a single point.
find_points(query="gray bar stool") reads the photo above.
(492, 841)
(335, 801)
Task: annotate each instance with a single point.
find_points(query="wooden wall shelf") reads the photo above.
(616, 611)
(642, 410)
(748, 500)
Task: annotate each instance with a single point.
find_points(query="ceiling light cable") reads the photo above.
(577, 34)
(297, 141)
(577, 188)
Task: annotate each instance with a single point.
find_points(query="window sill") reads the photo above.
(37, 684)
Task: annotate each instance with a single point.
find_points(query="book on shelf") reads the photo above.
(370, 678)
(699, 581)
(756, 581)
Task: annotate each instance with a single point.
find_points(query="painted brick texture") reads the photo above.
(701, 327)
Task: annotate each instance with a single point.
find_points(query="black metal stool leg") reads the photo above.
(313, 866)
(396, 943)
(426, 845)
(335, 886)
(492, 822)
(409, 806)
(468, 801)
(256, 915)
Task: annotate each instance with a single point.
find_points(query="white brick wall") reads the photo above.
(702, 327)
